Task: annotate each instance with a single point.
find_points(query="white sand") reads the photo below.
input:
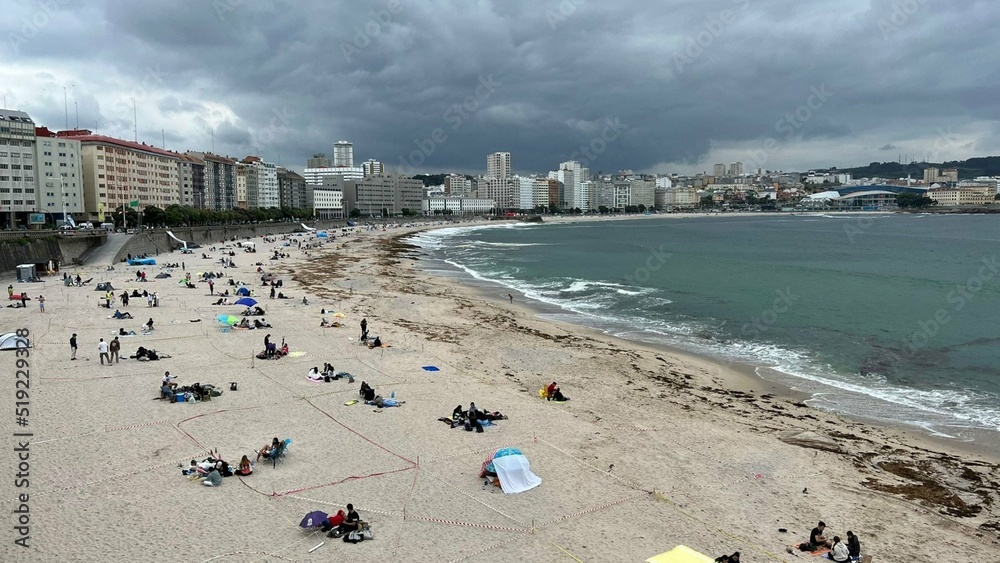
(105, 482)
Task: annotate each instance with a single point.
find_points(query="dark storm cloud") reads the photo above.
(691, 82)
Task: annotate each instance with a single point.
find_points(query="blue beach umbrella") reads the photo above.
(314, 519)
(242, 291)
(247, 301)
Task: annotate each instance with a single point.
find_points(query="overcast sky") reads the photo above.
(655, 86)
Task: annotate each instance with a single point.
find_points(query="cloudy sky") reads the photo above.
(433, 86)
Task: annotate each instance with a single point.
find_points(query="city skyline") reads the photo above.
(655, 90)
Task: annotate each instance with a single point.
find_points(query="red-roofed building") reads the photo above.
(117, 172)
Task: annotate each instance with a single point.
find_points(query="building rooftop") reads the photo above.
(86, 136)
(14, 115)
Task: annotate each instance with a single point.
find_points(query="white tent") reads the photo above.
(10, 341)
(515, 474)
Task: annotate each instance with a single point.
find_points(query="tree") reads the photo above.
(355, 213)
(553, 208)
(913, 201)
(130, 216)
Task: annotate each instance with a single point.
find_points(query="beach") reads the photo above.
(656, 448)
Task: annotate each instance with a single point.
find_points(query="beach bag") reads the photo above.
(355, 536)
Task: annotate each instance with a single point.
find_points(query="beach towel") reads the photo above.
(819, 551)
(349, 403)
(515, 474)
(431, 368)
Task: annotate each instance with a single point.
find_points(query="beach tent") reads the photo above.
(680, 554)
(228, 319)
(26, 273)
(104, 286)
(513, 470)
(243, 291)
(322, 234)
(142, 262)
(9, 341)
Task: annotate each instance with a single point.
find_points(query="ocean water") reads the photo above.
(893, 318)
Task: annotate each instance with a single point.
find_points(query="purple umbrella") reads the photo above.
(314, 519)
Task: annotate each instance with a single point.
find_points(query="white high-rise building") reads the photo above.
(268, 195)
(343, 154)
(572, 174)
(498, 165)
(17, 167)
(60, 175)
(664, 182)
(719, 169)
(317, 176)
(736, 169)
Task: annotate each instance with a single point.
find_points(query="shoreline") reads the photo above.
(739, 376)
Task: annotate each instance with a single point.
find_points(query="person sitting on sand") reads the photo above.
(352, 521)
(192, 469)
(328, 370)
(261, 323)
(839, 552)
(245, 468)
(214, 479)
(324, 323)
(314, 374)
(816, 537)
(266, 451)
(853, 545)
(148, 327)
(282, 296)
(244, 324)
(377, 343)
(367, 392)
(552, 393)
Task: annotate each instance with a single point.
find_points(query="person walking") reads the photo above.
(211, 287)
(511, 297)
(24, 300)
(102, 348)
(72, 346)
(115, 347)
(364, 329)
(41, 303)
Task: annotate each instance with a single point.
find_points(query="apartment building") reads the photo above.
(118, 172)
(18, 197)
(59, 166)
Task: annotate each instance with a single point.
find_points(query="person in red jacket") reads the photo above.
(552, 393)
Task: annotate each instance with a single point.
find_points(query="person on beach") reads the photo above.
(10, 291)
(41, 303)
(853, 545)
(552, 393)
(214, 479)
(72, 346)
(364, 329)
(245, 468)
(816, 537)
(511, 297)
(267, 450)
(114, 348)
(24, 300)
(839, 552)
(168, 380)
(734, 558)
(102, 349)
(351, 522)
(125, 299)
